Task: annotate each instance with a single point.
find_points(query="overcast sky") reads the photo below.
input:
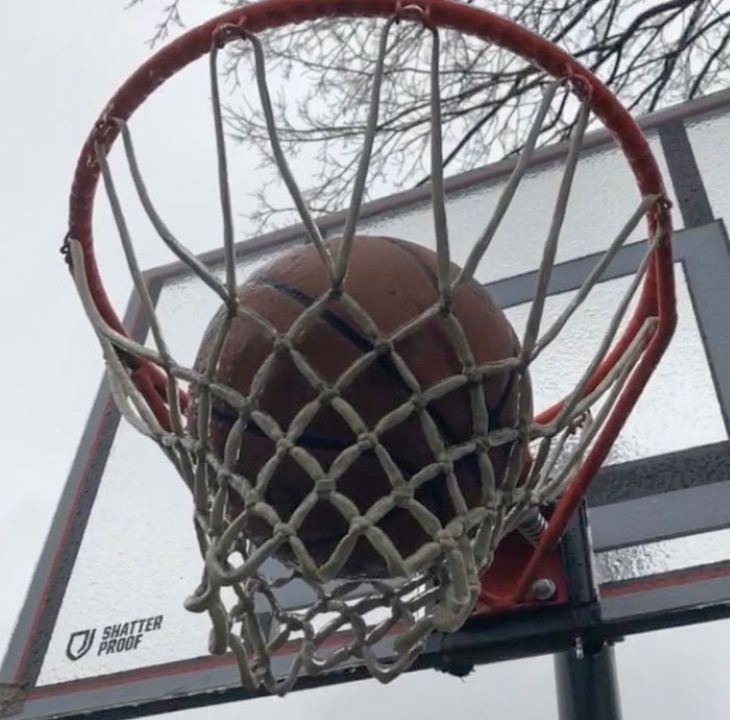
(61, 61)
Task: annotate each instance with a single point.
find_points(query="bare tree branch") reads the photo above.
(651, 54)
(170, 20)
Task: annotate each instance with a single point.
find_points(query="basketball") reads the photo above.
(393, 281)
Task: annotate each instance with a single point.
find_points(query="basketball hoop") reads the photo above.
(551, 457)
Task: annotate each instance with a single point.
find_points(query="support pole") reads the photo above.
(585, 675)
(587, 685)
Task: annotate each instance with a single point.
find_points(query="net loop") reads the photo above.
(409, 10)
(228, 32)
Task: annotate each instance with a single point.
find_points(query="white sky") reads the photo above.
(61, 61)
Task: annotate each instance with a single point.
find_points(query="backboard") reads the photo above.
(104, 632)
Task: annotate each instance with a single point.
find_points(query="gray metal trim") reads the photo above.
(34, 629)
(705, 257)
(705, 254)
(198, 683)
(34, 603)
(567, 276)
(120, 693)
(667, 600)
(686, 178)
(29, 642)
(660, 517)
(689, 468)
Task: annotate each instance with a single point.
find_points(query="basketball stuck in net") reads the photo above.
(414, 383)
(358, 424)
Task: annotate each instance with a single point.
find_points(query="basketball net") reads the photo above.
(379, 623)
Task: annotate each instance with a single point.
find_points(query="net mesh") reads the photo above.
(379, 623)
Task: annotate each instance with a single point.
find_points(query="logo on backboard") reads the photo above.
(117, 638)
(79, 644)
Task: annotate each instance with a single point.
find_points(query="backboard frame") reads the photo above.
(622, 502)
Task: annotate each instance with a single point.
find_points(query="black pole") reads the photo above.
(586, 675)
(586, 683)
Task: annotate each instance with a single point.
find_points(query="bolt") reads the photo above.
(543, 589)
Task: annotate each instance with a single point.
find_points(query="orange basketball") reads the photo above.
(393, 281)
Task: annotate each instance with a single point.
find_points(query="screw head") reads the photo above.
(544, 589)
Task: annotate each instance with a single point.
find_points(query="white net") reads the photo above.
(379, 622)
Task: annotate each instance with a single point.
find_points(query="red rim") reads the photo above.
(657, 297)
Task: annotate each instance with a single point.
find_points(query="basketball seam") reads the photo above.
(349, 333)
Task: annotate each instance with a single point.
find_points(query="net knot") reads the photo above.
(324, 487)
(360, 525)
(366, 441)
(403, 494)
(524, 496)
(446, 540)
(483, 445)
(284, 446)
(446, 463)
(328, 394)
(284, 530)
(281, 346)
(382, 347)
(472, 375)
(419, 402)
